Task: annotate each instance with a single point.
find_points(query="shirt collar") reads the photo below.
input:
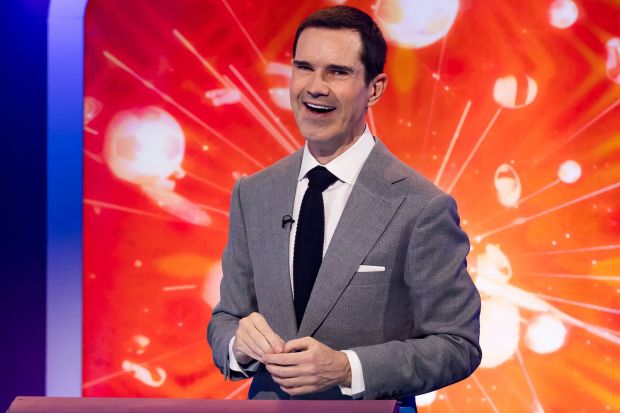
(347, 166)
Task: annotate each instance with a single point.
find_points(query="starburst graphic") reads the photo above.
(511, 107)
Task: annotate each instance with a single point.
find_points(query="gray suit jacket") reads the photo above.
(414, 326)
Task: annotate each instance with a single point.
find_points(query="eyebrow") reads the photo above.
(301, 63)
(342, 68)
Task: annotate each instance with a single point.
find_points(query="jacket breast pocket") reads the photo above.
(371, 275)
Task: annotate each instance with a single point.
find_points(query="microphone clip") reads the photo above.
(287, 219)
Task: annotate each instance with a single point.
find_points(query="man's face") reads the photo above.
(328, 93)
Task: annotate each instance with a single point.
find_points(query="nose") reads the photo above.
(317, 86)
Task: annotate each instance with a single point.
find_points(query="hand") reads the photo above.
(308, 366)
(254, 338)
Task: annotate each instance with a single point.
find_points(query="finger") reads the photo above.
(285, 359)
(258, 341)
(284, 372)
(275, 342)
(298, 391)
(248, 348)
(243, 339)
(298, 344)
(293, 382)
(252, 337)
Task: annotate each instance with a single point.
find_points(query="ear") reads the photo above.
(376, 88)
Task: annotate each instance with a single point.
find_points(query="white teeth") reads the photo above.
(315, 106)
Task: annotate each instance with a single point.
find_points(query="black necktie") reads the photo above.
(308, 252)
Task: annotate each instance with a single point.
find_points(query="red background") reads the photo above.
(134, 251)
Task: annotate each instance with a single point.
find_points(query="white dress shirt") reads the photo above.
(346, 167)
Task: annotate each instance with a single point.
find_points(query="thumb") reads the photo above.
(298, 344)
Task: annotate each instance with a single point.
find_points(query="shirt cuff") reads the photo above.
(357, 378)
(234, 365)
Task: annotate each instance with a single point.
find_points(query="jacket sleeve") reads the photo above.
(237, 296)
(443, 347)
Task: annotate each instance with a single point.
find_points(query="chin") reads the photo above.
(317, 136)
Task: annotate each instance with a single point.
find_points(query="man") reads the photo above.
(345, 272)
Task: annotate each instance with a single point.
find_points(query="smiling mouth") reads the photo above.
(315, 108)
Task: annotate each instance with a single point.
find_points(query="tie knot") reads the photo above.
(320, 178)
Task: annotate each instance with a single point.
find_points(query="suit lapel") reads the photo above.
(280, 197)
(373, 202)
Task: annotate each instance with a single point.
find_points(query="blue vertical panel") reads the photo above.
(23, 42)
(64, 198)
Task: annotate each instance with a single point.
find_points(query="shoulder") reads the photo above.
(416, 186)
(281, 169)
(425, 205)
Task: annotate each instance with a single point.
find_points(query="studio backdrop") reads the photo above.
(511, 107)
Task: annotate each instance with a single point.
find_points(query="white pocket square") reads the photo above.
(370, 268)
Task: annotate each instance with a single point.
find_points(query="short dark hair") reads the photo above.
(374, 47)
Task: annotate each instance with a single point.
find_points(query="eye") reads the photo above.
(338, 71)
(304, 68)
